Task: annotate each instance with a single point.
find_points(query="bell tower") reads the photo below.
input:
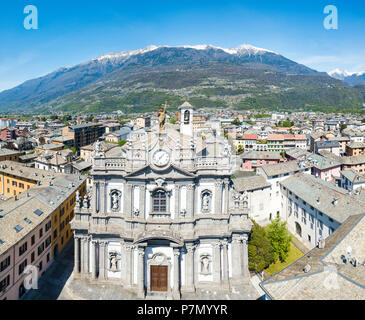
(186, 119)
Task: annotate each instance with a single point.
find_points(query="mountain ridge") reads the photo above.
(238, 77)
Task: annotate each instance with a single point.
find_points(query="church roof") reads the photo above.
(186, 105)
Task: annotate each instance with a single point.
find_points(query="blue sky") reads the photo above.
(71, 32)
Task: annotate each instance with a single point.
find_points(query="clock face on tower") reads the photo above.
(161, 158)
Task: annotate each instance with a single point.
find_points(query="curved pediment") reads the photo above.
(159, 235)
(171, 172)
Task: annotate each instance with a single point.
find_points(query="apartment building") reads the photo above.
(324, 168)
(56, 161)
(332, 146)
(276, 173)
(34, 229)
(314, 208)
(351, 180)
(16, 178)
(84, 134)
(12, 155)
(355, 149)
(257, 192)
(254, 159)
(283, 142)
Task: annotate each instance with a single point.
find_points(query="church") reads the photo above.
(163, 218)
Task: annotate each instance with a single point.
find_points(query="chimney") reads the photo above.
(322, 244)
(307, 268)
(318, 200)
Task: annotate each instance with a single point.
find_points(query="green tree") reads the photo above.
(122, 143)
(343, 127)
(73, 149)
(236, 122)
(173, 120)
(240, 149)
(287, 123)
(260, 251)
(279, 238)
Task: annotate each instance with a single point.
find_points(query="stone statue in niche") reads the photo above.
(236, 198)
(86, 202)
(115, 203)
(205, 264)
(206, 201)
(114, 258)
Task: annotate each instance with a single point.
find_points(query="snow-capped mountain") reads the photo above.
(117, 66)
(241, 50)
(351, 78)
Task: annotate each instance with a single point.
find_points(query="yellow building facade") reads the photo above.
(15, 178)
(61, 218)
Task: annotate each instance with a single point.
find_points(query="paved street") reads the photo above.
(53, 281)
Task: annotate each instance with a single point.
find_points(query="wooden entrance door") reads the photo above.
(159, 278)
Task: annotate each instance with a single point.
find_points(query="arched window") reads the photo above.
(298, 229)
(159, 201)
(187, 117)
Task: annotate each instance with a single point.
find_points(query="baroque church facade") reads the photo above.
(162, 217)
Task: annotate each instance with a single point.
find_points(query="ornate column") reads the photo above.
(142, 201)
(218, 197)
(129, 264)
(102, 197)
(87, 256)
(82, 255)
(93, 259)
(190, 200)
(196, 266)
(189, 268)
(177, 200)
(94, 198)
(245, 270)
(226, 196)
(216, 263)
(128, 200)
(176, 287)
(102, 273)
(236, 256)
(140, 274)
(225, 261)
(77, 255)
(123, 270)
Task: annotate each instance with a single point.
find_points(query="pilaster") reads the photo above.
(93, 259)
(140, 274)
(77, 255)
(176, 287)
(216, 263)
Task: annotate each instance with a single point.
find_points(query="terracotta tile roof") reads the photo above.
(250, 137)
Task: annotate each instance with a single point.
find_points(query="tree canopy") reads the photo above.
(236, 122)
(260, 251)
(279, 238)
